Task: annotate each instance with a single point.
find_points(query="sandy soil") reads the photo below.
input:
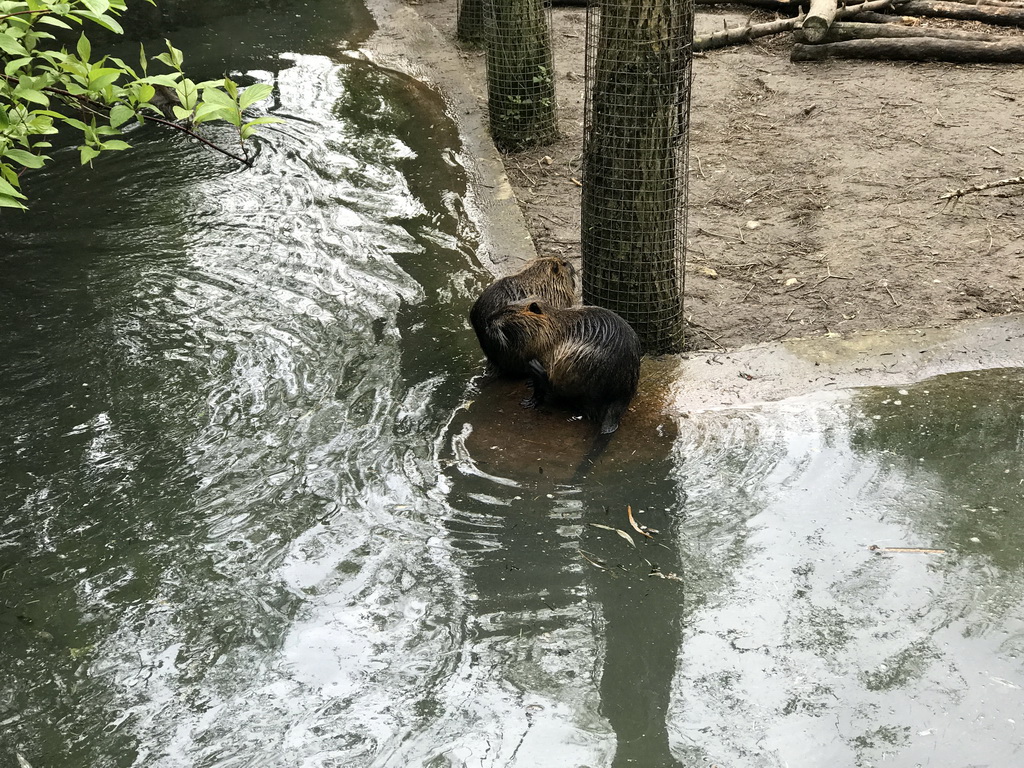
(813, 187)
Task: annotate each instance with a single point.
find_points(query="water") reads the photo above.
(256, 509)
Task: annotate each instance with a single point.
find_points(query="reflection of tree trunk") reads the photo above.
(520, 81)
(634, 188)
(470, 25)
(643, 621)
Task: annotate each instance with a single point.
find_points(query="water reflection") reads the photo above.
(812, 647)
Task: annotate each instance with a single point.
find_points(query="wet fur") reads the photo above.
(585, 356)
(551, 279)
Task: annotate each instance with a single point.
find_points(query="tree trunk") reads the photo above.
(915, 49)
(469, 27)
(635, 163)
(851, 30)
(990, 14)
(520, 78)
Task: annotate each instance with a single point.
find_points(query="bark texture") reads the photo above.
(819, 18)
(634, 183)
(852, 30)
(520, 76)
(469, 27)
(915, 49)
(989, 14)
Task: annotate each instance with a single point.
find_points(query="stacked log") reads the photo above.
(865, 38)
(867, 32)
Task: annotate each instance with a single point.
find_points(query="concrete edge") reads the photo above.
(780, 370)
(406, 42)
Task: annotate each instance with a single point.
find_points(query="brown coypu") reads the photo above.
(586, 356)
(551, 279)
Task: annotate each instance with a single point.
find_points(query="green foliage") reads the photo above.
(46, 89)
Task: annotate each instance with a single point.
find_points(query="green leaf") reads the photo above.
(265, 120)
(6, 201)
(88, 153)
(171, 81)
(10, 191)
(101, 77)
(53, 21)
(97, 6)
(26, 159)
(84, 48)
(172, 58)
(255, 93)
(14, 65)
(10, 45)
(120, 115)
(107, 22)
(31, 94)
(213, 96)
(116, 144)
(206, 112)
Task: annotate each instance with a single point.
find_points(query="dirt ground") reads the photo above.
(813, 193)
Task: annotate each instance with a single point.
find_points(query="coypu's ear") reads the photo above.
(555, 266)
(534, 308)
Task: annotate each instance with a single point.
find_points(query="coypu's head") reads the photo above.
(524, 327)
(552, 279)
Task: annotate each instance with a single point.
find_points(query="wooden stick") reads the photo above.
(852, 30)
(915, 49)
(957, 194)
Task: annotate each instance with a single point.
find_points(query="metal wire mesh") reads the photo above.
(469, 25)
(520, 78)
(635, 162)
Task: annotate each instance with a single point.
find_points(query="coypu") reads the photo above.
(588, 356)
(551, 279)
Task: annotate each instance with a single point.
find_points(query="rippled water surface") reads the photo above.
(258, 511)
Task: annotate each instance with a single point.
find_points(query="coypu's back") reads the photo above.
(551, 279)
(586, 356)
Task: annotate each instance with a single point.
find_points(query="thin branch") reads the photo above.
(958, 193)
(24, 13)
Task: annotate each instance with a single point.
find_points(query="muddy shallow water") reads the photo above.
(259, 508)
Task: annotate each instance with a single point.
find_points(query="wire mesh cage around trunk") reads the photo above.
(469, 24)
(635, 163)
(520, 78)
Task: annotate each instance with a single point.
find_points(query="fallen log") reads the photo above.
(872, 17)
(819, 18)
(853, 30)
(735, 35)
(989, 14)
(783, 6)
(998, 3)
(1007, 51)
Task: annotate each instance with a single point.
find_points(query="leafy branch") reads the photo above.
(46, 89)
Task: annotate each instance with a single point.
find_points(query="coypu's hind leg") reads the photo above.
(611, 416)
(539, 384)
